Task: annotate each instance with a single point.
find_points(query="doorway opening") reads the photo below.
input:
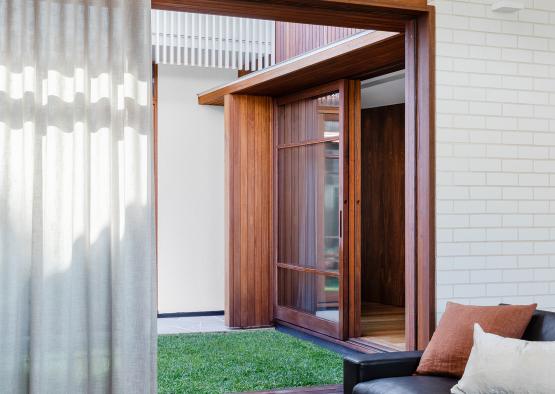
(318, 295)
(278, 204)
(317, 147)
(382, 211)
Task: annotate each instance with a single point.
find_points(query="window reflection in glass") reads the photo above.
(308, 120)
(311, 293)
(331, 207)
(308, 206)
(308, 200)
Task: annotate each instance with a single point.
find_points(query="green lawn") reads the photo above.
(242, 361)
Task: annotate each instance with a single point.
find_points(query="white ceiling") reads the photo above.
(384, 90)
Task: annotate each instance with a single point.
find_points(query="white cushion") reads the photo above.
(499, 365)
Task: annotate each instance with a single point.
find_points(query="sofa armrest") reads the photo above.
(364, 367)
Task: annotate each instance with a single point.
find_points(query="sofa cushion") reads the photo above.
(541, 327)
(407, 385)
(507, 365)
(450, 346)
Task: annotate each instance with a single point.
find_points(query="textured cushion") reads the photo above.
(407, 385)
(506, 365)
(451, 343)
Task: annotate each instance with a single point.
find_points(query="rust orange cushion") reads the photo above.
(449, 348)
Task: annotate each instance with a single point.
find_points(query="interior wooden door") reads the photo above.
(310, 266)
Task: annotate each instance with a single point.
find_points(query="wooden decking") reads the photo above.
(329, 389)
(383, 325)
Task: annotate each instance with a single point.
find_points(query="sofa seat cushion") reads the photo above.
(407, 385)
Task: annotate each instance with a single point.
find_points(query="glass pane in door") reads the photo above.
(331, 207)
(308, 206)
(308, 210)
(312, 293)
(309, 120)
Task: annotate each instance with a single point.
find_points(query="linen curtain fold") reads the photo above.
(77, 256)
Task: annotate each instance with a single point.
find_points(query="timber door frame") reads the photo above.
(417, 21)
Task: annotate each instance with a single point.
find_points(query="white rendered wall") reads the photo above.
(384, 90)
(495, 153)
(190, 191)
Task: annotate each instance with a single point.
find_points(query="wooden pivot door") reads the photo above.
(311, 288)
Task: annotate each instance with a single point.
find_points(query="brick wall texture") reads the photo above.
(495, 153)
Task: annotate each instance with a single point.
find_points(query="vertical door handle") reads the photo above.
(340, 224)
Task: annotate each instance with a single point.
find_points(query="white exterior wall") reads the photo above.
(190, 191)
(495, 153)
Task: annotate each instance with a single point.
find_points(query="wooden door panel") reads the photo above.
(383, 202)
(309, 273)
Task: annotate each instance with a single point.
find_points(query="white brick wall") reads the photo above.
(495, 153)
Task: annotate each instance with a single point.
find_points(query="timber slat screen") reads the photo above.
(294, 39)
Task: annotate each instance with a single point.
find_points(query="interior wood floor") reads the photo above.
(383, 325)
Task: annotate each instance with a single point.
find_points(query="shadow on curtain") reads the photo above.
(77, 256)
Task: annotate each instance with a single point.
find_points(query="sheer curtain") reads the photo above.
(77, 263)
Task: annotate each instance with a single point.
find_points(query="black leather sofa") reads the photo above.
(393, 373)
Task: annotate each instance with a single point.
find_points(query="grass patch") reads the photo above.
(242, 361)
